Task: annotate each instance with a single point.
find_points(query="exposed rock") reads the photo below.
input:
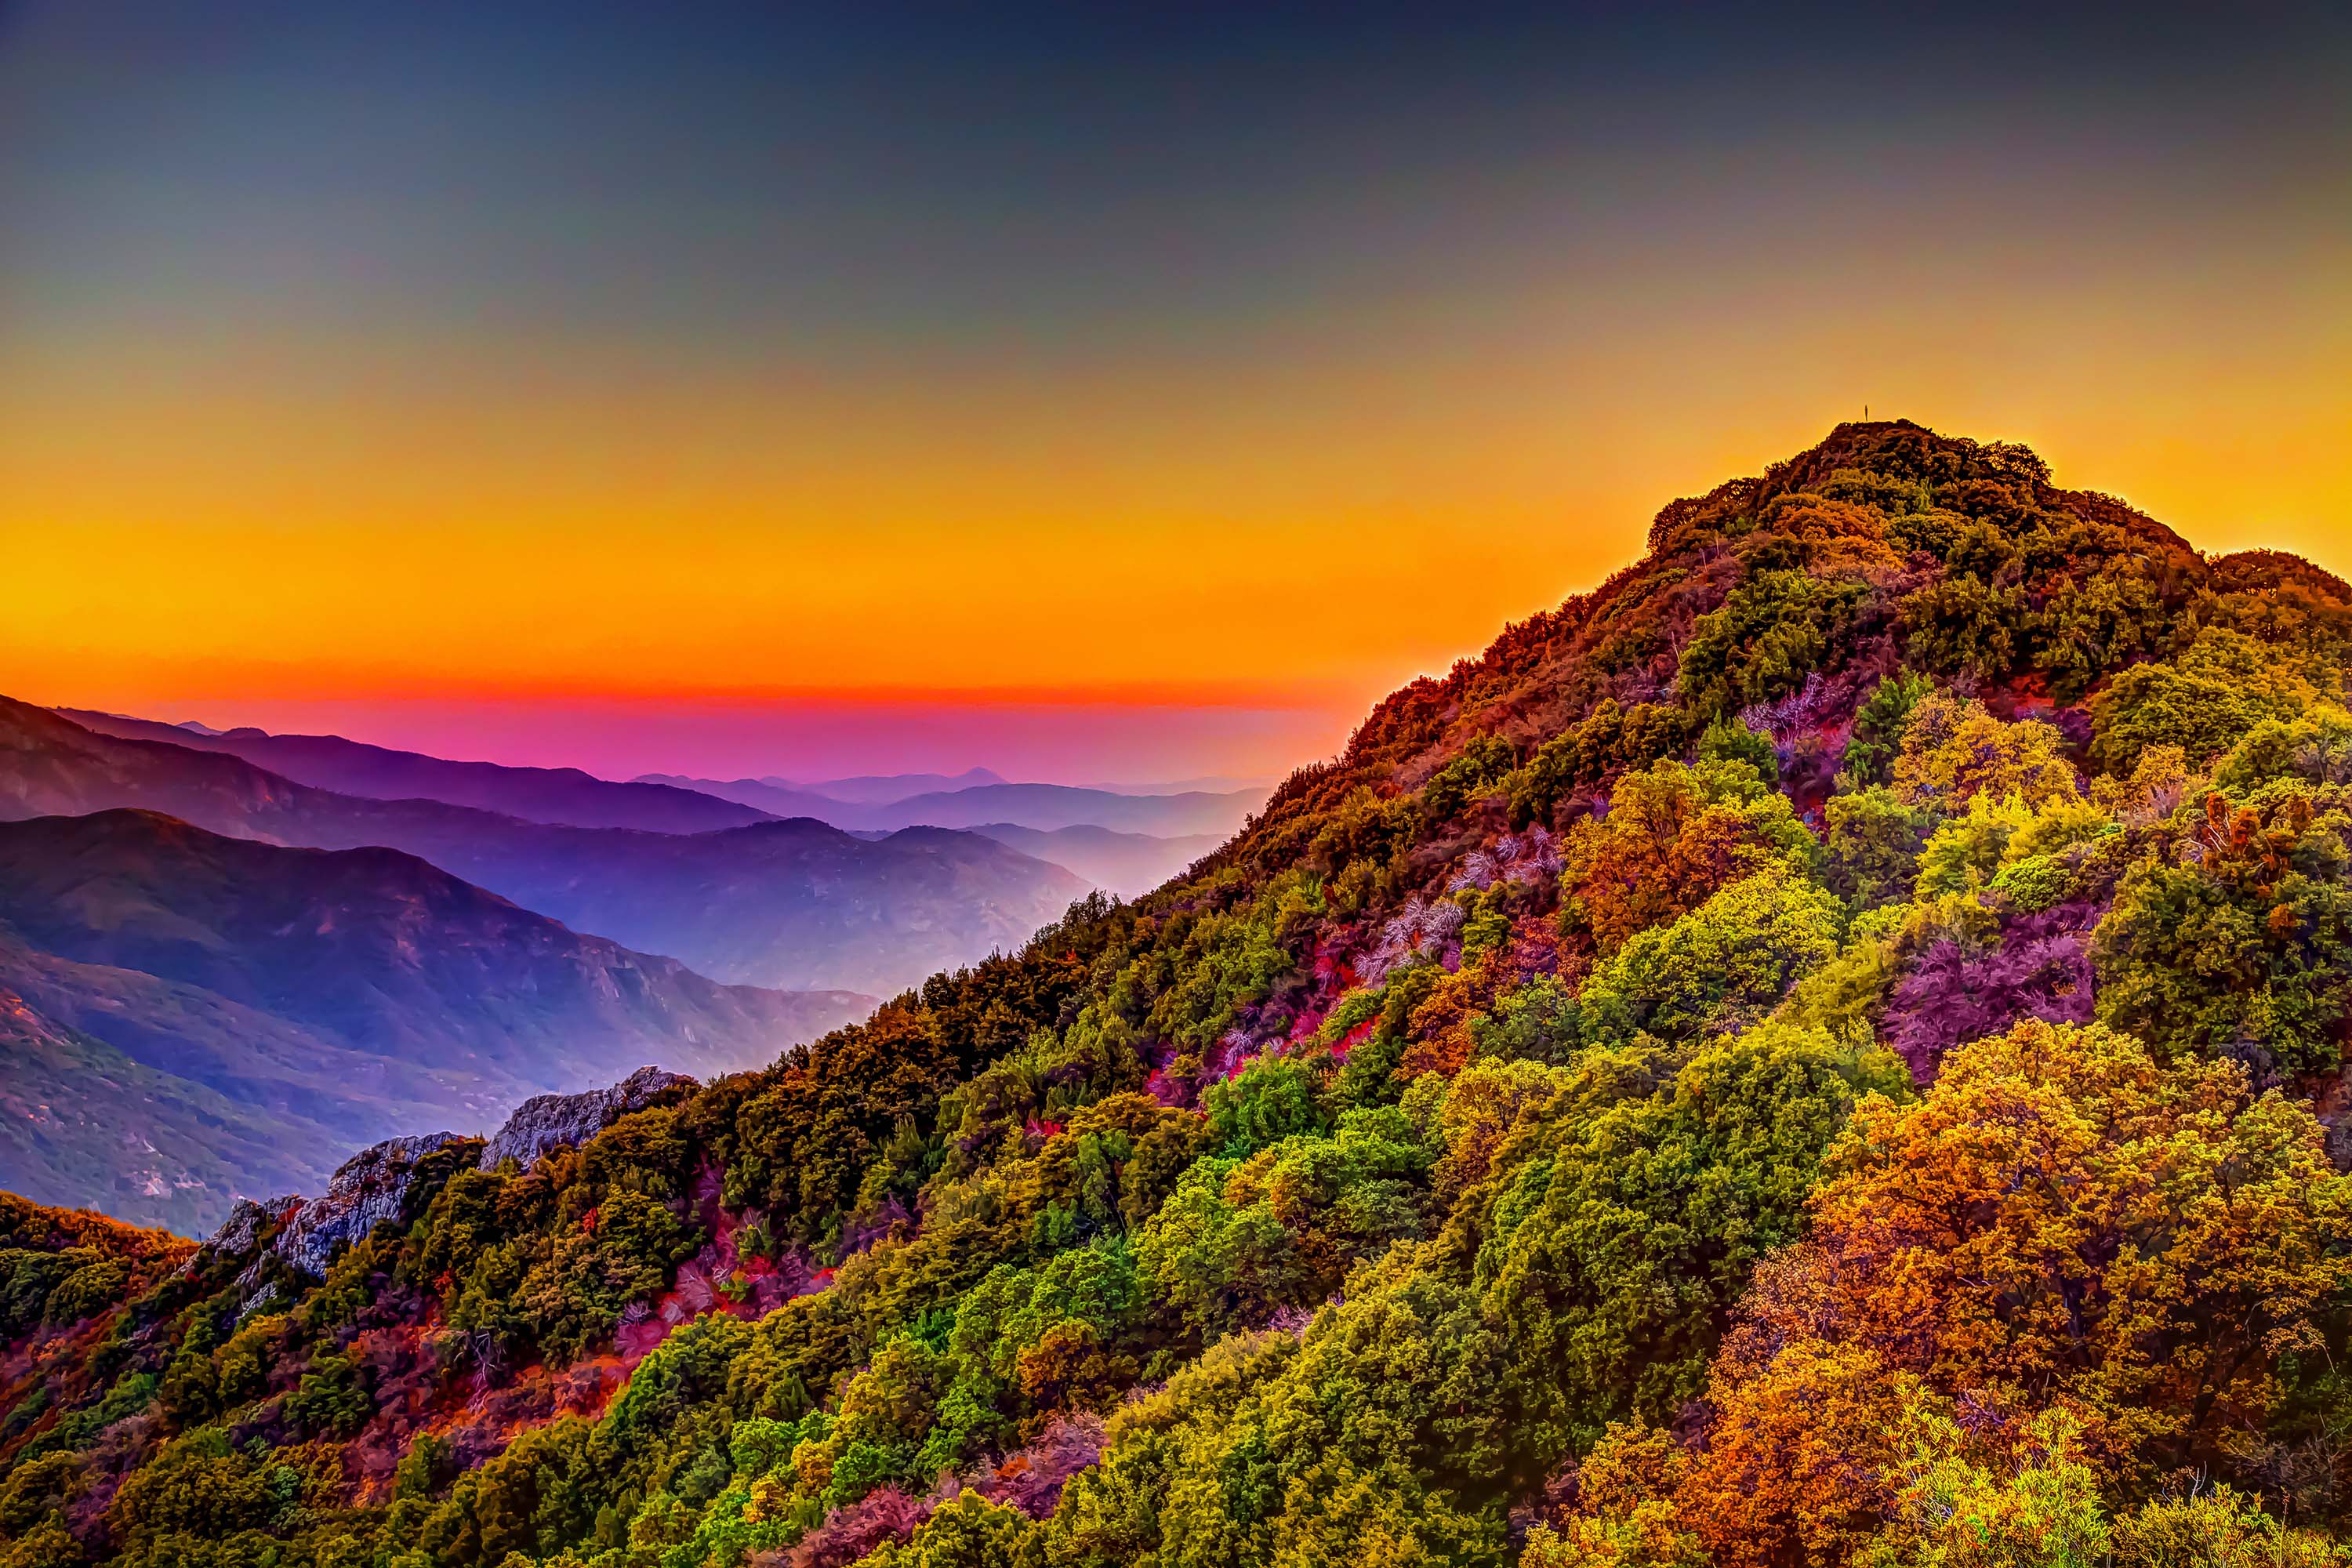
(368, 1190)
(371, 1185)
(240, 1236)
(260, 1301)
(242, 1230)
(545, 1121)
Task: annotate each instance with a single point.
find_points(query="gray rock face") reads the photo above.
(545, 1121)
(371, 1185)
(367, 1191)
(246, 1222)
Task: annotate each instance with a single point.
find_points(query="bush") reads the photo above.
(1724, 963)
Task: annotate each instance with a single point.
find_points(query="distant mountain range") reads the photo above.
(882, 789)
(565, 796)
(877, 789)
(1043, 807)
(1127, 864)
(773, 798)
(795, 904)
(1211, 784)
(226, 958)
(674, 802)
(192, 1015)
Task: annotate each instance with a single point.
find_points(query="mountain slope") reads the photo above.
(338, 996)
(84, 1126)
(1828, 1050)
(796, 904)
(566, 796)
(792, 904)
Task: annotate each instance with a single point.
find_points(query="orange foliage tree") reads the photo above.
(2061, 1223)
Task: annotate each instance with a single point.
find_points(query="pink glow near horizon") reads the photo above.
(621, 738)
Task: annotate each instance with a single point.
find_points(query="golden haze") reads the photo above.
(320, 518)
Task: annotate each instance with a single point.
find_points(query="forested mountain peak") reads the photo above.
(1978, 529)
(1825, 1049)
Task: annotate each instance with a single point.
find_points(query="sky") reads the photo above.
(1099, 392)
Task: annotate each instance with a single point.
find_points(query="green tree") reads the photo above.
(2245, 950)
(1878, 726)
(1618, 1235)
(1873, 841)
(2204, 702)
(1954, 750)
(1770, 632)
(1726, 963)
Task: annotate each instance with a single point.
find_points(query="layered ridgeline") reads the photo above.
(1820, 1051)
(1154, 826)
(1044, 807)
(565, 796)
(192, 1017)
(797, 904)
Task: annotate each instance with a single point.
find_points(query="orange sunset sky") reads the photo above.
(1094, 405)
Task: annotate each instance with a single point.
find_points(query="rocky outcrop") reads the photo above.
(366, 1190)
(238, 1236)
(246, 1220)
(546, 1121)
(371, 1185)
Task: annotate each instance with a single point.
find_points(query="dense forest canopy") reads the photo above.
(1826, 1050)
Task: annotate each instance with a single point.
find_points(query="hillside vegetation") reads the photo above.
(1825, 1050)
